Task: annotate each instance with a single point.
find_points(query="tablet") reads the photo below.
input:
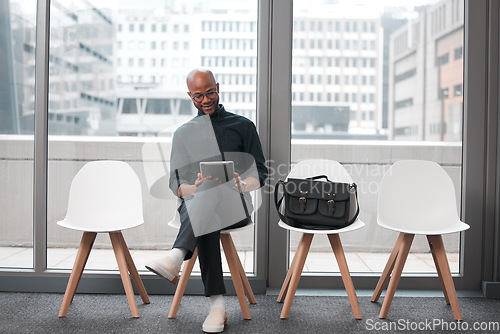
(223, 170)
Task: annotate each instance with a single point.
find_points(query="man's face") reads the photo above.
(201, 83)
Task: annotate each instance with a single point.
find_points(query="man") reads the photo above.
(214, 134)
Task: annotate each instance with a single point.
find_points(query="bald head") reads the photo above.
(199, 82)
(200, 76)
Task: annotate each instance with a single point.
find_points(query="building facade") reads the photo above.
(426, 74)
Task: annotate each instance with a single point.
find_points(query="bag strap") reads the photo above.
(353, 185)
(277, 202)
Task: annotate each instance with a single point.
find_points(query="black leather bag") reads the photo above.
(314, 204)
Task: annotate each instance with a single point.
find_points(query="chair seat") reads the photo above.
(97, 229)
(450, 227)
(354, 226)
(175, 223)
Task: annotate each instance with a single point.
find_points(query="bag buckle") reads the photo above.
(331, 207)
(302, 200)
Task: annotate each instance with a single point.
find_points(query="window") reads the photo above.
(443, 93)
(402, 103)
(18, 24)
(128, 77)
(442, 60)
(405, 75)
(107, 112)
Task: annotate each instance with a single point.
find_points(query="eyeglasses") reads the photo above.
(211, 94)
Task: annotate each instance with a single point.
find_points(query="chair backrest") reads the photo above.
(417, 195)
(104, 196)
(333, 169)
(156, 170)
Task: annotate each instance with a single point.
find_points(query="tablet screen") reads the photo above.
(222, 170)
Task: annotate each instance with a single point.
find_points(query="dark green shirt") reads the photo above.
(220, 136)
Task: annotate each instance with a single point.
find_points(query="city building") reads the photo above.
(426, 73)
(81, 85)
(336, 64)
(157, 47)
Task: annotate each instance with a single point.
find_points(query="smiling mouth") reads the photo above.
(210, 106)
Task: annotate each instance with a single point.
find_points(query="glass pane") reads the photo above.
(118, 91)
(373, 83)
(17, 98)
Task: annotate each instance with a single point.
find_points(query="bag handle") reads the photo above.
(318, 177)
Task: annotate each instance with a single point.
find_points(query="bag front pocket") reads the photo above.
(334, 209)
(302, 205)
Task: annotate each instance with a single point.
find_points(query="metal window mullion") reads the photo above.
(280, 122)
(263, 124)
(41, 136)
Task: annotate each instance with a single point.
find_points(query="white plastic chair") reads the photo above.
(105, 197)
(337, 173)
(240, 280)
(417, 197)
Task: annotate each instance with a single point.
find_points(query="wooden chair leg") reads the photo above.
(289, 274)
(436, 243)
(344, 271)
(122, 265)
(243, 275)
(396, 275)
(133, 271)
(386, 274)
(297, 272)
(76, 273)
(235, 274)
(181, 286)
(440, 275)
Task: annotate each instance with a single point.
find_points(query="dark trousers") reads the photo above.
(208, 244)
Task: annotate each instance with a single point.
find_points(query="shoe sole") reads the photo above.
(162, 273)
(214, 329)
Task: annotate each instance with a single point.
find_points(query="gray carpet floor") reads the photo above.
(37, 313)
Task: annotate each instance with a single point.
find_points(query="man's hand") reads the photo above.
(239, 184)
(200, 180)
(187, 190)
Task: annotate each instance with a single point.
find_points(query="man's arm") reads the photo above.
(179, 165)
(253, 146)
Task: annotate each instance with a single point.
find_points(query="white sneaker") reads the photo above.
(215, 321)
(164, 267)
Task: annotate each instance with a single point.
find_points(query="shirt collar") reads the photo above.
(219, 113)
